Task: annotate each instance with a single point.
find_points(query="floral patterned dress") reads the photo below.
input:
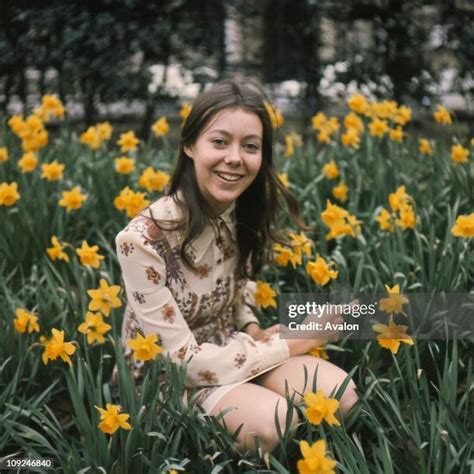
(196, 314)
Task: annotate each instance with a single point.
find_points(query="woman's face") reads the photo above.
(227, 156)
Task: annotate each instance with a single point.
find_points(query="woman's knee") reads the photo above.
(327, 377)
(257, 416)
(269, 434)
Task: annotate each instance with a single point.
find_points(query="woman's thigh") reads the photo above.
(329, 378)
(254, 406)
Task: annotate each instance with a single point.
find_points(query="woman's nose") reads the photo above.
(233, 156)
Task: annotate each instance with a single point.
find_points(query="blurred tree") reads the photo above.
(458, 18)
(398, 46)
(101, 50)
(292, 40)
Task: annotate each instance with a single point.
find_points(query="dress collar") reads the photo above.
(224, 223)
(227, 216)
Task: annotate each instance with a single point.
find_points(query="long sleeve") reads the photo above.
(243, 314)
(144, 272)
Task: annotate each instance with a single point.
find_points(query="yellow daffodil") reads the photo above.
(396, 134)
(51, 106)
(56, 251)
(184, 112)
(265, 295)
(399, 198)
(31, 123)
(17, 125)
(385, 220)
(333, 213)
(28, 162)
(318, 121)
(104, 298)
(358, 103)
(339, 221)
(392, 335)
(104, 130)
(89, 256)
(425, 146)
(25, 321)
(319, 352)
(333, 125)
(3, 154)
(153, 180)
(52, 171)
(320, 271)
(285, 255)
(161, 127)
(403, 115)
(378, 128)
(292, 140)
(386, 109)
(131, 202)
(283, 177)
(314, 459)
(56, 347)
(354, 122)
(330, 170)
(442, 115)
(395, 301)
(9, 194)
(289, 146)
(275, 115)
(343, 227)
(351, 138)
(112, 419)
(91, 138)
(326, 127)
(407, 219)
(94, 328)
(31, 131)
(323, 137)
(72, 199)
(459, 154)
(145, 348)
(464, 226)
(340, 191)
(300, 244)
(128, 141)
(319, 408)
(124, 165)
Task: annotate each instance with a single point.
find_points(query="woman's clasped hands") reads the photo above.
(302, 341)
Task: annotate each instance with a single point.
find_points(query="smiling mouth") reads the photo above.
(229, 177)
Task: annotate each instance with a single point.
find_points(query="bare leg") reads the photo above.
(329, 377)
(254, 406)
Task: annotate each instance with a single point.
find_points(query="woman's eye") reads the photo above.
(251, 147)
(218, 142)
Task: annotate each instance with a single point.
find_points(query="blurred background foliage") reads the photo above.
(98, 52)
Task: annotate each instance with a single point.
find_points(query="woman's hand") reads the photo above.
(319, 338)
(299, 345)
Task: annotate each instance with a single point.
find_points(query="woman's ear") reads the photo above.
(189, 151)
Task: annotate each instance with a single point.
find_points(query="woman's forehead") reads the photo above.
(235, 120)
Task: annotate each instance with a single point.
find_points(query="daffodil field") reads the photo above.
(392, 213)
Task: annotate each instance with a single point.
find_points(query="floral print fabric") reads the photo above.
(197, 314)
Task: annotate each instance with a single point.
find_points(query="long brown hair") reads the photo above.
(256, 208)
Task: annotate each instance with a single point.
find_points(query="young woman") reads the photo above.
(186, 262)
